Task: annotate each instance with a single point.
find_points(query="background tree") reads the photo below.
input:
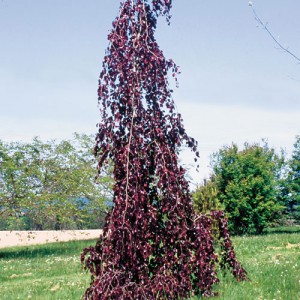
(50, 185)
(153, 245)
(293, 181)
(246, 181)
(205, 197)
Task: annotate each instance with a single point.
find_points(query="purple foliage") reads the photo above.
(153, 245)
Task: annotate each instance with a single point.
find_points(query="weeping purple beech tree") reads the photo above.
(153, 244)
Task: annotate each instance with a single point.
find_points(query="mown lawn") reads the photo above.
(54, 272)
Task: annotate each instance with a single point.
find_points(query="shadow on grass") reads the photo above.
(52, 249)
(272, 230)
(282, 230)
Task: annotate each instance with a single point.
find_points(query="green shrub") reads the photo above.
(246, 183)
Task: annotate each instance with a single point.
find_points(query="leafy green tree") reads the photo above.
(293, 181)
(50, 185)
(247, 181)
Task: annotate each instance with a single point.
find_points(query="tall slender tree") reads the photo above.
(153, 245)
(293, 180)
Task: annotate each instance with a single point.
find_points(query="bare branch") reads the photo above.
(264, 26)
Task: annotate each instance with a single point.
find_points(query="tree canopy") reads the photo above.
(247, 181)
(51, 185)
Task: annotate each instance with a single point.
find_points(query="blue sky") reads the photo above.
(235, 86)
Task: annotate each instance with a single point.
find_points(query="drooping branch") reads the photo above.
(151, 247)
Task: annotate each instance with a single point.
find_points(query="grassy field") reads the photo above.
(53, 271)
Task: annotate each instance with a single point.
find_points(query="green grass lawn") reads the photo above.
(53, 271)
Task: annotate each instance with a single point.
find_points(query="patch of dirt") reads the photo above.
(27, 238)
(288, 246)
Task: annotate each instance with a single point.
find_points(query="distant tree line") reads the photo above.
(254, 186)
(52, 185)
